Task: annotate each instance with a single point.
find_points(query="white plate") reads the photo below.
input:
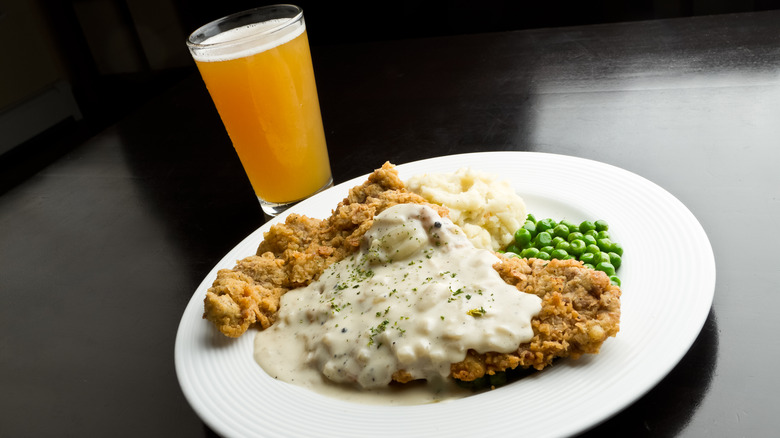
(665, 303)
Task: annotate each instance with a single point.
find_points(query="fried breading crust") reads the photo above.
(580, 310)
(295, 253)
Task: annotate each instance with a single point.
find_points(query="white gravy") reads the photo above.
(415, 297)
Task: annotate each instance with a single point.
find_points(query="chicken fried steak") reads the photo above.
(580, 306)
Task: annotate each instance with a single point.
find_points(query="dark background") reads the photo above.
(117, 54)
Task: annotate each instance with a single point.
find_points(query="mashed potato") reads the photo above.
(486, 208)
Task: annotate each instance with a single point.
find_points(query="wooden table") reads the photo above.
(101, 250)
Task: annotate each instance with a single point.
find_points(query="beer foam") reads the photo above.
(247, 40)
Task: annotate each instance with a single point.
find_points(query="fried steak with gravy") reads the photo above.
(580, 307)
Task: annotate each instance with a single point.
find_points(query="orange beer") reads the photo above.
(261, 80)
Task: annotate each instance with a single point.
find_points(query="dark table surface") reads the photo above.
(101, 250)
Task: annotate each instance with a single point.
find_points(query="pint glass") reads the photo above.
(258, 70)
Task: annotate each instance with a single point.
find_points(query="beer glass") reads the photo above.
(257, 67)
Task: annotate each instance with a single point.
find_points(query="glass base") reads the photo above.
(272, 209)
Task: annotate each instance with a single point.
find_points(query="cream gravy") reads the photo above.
(416, 297)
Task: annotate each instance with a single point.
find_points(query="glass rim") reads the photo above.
(249, 12)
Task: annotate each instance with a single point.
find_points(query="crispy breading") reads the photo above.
(248, 293)
(580, 310)
(295, 253)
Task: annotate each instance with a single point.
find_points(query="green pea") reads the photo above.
(556, 240)
(589, 240)
(615, 259)
(586, 226)
(559, 254)
(576, 247)
(542, 239)
(602, 257)
(543, 255)
(604, 244)
(606, 267)
(589, 266)
(529, 253)
(531, 227)
(617, 248)
(614, 280)
(601, 225)
(545, 224)
(575, 236)
(548, 249)
(513, 249)
(593, 248)
(531, 218)
(602, 235)
(588, 258)
(523, 237)
(561, 231)
(570, 225)
(564, 245)
(593, 233)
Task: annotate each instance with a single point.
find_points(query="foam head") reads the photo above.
(247, 40)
